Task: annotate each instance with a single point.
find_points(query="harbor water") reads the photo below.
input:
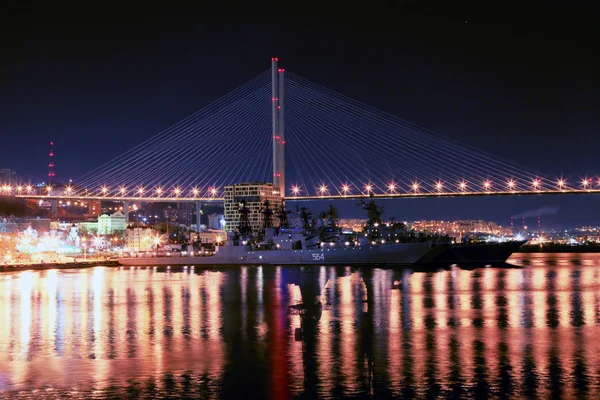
(313, 332)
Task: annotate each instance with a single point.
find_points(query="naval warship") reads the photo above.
(306, 244)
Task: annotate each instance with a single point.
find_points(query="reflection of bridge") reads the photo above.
(339, 149)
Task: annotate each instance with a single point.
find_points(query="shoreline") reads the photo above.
(47, 266)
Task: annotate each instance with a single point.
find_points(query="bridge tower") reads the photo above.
(278, 129)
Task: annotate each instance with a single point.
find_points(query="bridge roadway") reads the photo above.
(443, 194)
(348, 196)
(118, 198)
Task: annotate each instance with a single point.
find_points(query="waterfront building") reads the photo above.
(254, 194)
(107, 224)
(212, 236)
(139, 239)
(88, 226)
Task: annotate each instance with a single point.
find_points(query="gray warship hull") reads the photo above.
(384, 254)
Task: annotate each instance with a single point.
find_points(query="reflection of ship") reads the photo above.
(289, 248)
(478, 253)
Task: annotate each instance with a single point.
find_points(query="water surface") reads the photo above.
(230, 333)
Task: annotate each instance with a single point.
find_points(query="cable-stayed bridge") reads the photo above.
(312, 143)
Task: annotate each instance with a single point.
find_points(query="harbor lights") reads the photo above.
(345, 189)
(561, 184)
(438, 186)
(415, 187)
(295, 190)
(536, 184)
(463, 186)
(511, 185)
(322, 190)
(487, 185)
(392, 187)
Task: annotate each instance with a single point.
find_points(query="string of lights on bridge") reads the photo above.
(325, 191)
(336, 146)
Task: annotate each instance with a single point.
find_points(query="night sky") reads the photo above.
(527, 90)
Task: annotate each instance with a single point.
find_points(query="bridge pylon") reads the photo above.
(278, 128)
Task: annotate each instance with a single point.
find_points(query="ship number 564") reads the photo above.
(318, 256)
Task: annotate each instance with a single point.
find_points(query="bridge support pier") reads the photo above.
(53, 208)
(126, 212)
(198, 214)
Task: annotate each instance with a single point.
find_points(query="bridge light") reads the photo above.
(195, 192)
(369, 188)
(19, 188)
(322, 189)
(104, 190)
(487, 184)
(511, 184)
(392, 187)
(29, 188)
(536, 183)
(69, 189)
(140, 190)
(561, 183)
(345, 189)
(49, 189)
(122, 190)
(415, 186)
(438, 186)
(295, 190)
(177, 191)
(158, 191)
(585, 182)
(462, 186)
(213, 191)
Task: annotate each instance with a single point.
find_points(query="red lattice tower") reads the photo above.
(51, 164)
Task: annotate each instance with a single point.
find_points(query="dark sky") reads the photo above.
(527, 90)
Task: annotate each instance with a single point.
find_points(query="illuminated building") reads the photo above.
(212, 236)
(139, 239)
(107, 224)
(255, 194)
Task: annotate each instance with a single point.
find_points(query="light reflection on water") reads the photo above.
(229, 333)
